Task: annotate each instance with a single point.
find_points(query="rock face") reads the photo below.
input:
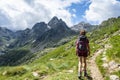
(53, 21)
(83, 25)
(42, 34)
(58, 30)
(6, 36)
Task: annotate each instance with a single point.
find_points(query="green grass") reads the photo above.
(64, 59)
(100, 63)
(57, 63)
(114, 52)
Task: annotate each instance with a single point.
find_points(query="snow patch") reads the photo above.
(48, 26)
(33, 41)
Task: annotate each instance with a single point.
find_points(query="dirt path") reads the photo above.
(94, 71)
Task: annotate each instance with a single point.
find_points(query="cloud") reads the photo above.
(20, 14)
(74, 10)
(100, 10)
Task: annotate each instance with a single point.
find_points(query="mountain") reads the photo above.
(83, 25)
(6, 36)
(43, 35)
(58, 30)
(28, 36)
(53, 21)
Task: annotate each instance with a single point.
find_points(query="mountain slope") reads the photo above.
(61, 62)
(107, 36)
(59, 30)
(6, 37)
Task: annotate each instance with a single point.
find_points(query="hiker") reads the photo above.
(82, 51)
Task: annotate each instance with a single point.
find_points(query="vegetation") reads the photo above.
(61, 62)
(114, 52)
(15, 57)
(108, 31)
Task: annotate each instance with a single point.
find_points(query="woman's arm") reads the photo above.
(88, 49)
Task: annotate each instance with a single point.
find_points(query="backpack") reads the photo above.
(82, 43)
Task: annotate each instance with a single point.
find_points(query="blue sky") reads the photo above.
(22, 14)
(80, 9)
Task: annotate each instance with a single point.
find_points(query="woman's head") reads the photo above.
(82, 32)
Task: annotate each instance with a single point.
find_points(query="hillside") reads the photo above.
(60, 63)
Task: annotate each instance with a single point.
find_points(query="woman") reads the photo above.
(82, 51)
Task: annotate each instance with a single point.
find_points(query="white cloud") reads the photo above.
(74, 10)
(21, 14)
(100, 10)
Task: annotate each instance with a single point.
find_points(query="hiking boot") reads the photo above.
(79, 75)
(85, 74)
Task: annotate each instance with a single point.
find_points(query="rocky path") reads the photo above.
(94, 71)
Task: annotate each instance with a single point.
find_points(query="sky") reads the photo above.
(22, 14)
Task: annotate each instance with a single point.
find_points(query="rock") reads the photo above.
(108, 46)
(35, 74)
(4, 73)
(70, 71)
(113, 65)
(51, 59)
(105, 65)
(119, 66)
(114, 77)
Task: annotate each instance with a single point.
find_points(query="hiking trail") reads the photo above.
(94, 71)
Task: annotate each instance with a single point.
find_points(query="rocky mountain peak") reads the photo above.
(53, 21)
(83, 25)
(6, 32)
(40, 27)
(57, 24)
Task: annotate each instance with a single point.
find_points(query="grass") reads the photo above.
(61, 59)
(61, 63)
(99, 63)
(55, 65)
(113, 53)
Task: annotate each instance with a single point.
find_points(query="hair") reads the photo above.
(82, 32)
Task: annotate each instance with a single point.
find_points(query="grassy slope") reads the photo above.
(110, 27)
(58, 64)
(63, 59)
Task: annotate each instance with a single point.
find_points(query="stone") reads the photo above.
(105, 65)
(35, 74)
(113, 65)
(104, 59)
(114, 77)
(4, 73)
(51, 59)
(70, 71)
